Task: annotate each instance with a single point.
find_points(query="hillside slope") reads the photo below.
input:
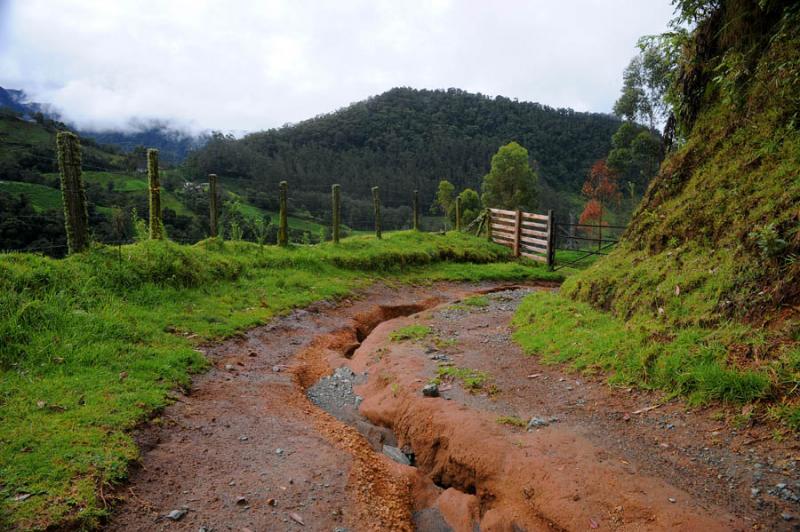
(703, 291)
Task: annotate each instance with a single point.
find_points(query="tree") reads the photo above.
(600, 187)
(511, 182)
(444, 200)
(635, 154)
(470, 207)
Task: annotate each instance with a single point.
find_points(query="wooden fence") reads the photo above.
(528, 234)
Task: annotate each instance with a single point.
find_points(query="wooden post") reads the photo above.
(336, 213)
(376, 203)
(76, 219)
(517, 232)
(489, 224)
(156, 226)
(551, 240)
(283, 227)
(213, 214)
(416, 210)
(458, 213)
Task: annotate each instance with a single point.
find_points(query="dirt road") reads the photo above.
(248, 450)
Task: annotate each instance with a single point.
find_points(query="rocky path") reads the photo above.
(272, 438)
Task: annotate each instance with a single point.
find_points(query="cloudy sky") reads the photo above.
(245, 65)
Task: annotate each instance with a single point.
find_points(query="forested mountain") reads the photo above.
(407, 139)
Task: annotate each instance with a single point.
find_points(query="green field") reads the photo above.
(41, 197)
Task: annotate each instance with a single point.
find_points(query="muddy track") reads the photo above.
(248, 450)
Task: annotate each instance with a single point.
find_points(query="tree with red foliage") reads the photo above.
(600, 187)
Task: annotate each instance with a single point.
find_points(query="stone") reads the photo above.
(537, 422)
(396, 454)
(176, 515)
(430, 390)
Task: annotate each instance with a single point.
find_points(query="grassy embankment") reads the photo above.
(701, 297)
(91, 345)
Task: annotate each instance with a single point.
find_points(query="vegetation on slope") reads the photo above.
(706, 282)
(408, 139)
(91, 345)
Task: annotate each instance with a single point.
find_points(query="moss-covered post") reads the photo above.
(283, 221)
(488, 217)
(416, 210)
(76, 219)
(156, 226)
(336, 214)
(376, 203)
(458, 213)
(213, 208)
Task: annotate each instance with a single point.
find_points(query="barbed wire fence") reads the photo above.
(392, 208)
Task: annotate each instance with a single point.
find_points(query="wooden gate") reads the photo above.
(528, 234)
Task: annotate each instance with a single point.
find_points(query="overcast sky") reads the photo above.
(246, 65)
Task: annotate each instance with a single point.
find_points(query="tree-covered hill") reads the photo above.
(407, 139)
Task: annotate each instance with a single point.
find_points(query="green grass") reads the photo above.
(512, 421)
(91, 345)
(690, 361)
(410, 332)
(472, 379)
(41, 197)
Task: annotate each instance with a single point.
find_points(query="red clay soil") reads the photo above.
(246, 450)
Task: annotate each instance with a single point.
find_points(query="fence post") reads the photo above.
(489, 224)
(336, 213)
(213, 208)
(458, 213)
(156, 227)
(76, 219)
(376, 203)
(551, 240)
(517, 232)
(416, 210)
(283, 227)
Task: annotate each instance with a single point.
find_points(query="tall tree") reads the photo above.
(445, 195)
(600, 188)
(511, 182)
(470, 207)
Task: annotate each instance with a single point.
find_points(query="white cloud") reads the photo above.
(250, 65)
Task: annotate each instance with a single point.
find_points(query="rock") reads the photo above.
(276, 369)
(537, 422)
(176, 515)
(396, 454)
(229, 367)
(787, 517)
(296, 518)
(754, 492)
(278, 451)
(241, 500)
(272, 502)
(430, 390)
(672, 500)
(243, 438)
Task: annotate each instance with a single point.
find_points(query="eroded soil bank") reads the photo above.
(248, 450)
